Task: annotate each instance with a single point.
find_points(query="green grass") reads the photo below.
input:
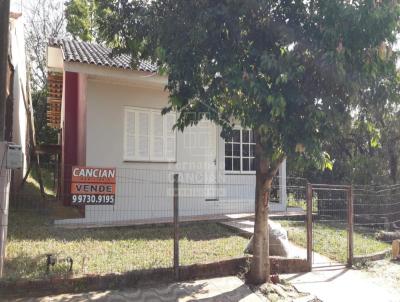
(110, 250)
(331, 241)
(47, 178)
(104, 250)
(293, 201)
(116, 250)
(29, 197)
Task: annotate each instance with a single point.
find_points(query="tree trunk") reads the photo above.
(260, 268)
(265, 172)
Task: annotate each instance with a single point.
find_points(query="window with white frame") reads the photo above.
(148, 135)
(240, 152)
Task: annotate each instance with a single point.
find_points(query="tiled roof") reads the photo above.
(91, 53)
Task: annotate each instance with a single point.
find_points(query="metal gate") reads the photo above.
(330, 224)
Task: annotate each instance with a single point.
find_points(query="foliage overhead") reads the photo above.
(369, 148)
(81, 19)
(292, 70)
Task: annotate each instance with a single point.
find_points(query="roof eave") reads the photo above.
(110, 72)
(55, 58)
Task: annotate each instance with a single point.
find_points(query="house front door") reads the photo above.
(200, 147)
(211, 158)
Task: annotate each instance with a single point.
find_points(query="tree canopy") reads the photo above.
(296, 72)
(293, 69)
(81, 19)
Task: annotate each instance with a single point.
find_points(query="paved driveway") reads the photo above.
(336, 283)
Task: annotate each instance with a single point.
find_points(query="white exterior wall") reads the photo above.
(20, 117)
(144, 189)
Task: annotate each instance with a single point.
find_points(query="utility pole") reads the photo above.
(4, 32)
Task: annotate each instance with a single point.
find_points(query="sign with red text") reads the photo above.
(92, 185)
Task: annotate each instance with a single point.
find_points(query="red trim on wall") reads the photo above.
(73, 128)
(70, 130)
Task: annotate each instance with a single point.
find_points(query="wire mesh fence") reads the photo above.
(330, 207)
(350, 222)
(71, 230)
(376, 214)
(63, 234)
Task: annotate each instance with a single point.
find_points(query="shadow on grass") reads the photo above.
(24, 265)
(28, 197)
(19, 266)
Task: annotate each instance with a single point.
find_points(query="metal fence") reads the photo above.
(166, 218)
(376, 211)
(349, 222)
(331, 207)
(52, 236)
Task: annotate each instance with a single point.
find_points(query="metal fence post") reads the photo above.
(350, 226)
(176, 228)
(5, 179)
(309, 225)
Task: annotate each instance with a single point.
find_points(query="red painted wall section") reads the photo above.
(73, 128)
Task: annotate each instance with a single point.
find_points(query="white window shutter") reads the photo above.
(143, 129)
(157, 137)
(170, 137)
(130, 143)
(148, 135)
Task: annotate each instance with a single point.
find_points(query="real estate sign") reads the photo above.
(91, 185)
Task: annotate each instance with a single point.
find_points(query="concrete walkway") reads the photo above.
(339, 284)
(329, 280)
(328, 283)
(227, 289)
(246, 228)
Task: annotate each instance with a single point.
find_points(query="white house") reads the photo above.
(18, 111)
(16, 121)
(111, 117)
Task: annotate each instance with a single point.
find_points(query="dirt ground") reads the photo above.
(385, 272)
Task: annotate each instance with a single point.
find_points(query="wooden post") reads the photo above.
(396, 249)
(350, 226)
(309, 225)
(176, 228)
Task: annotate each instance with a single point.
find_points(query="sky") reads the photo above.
(18, 5)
